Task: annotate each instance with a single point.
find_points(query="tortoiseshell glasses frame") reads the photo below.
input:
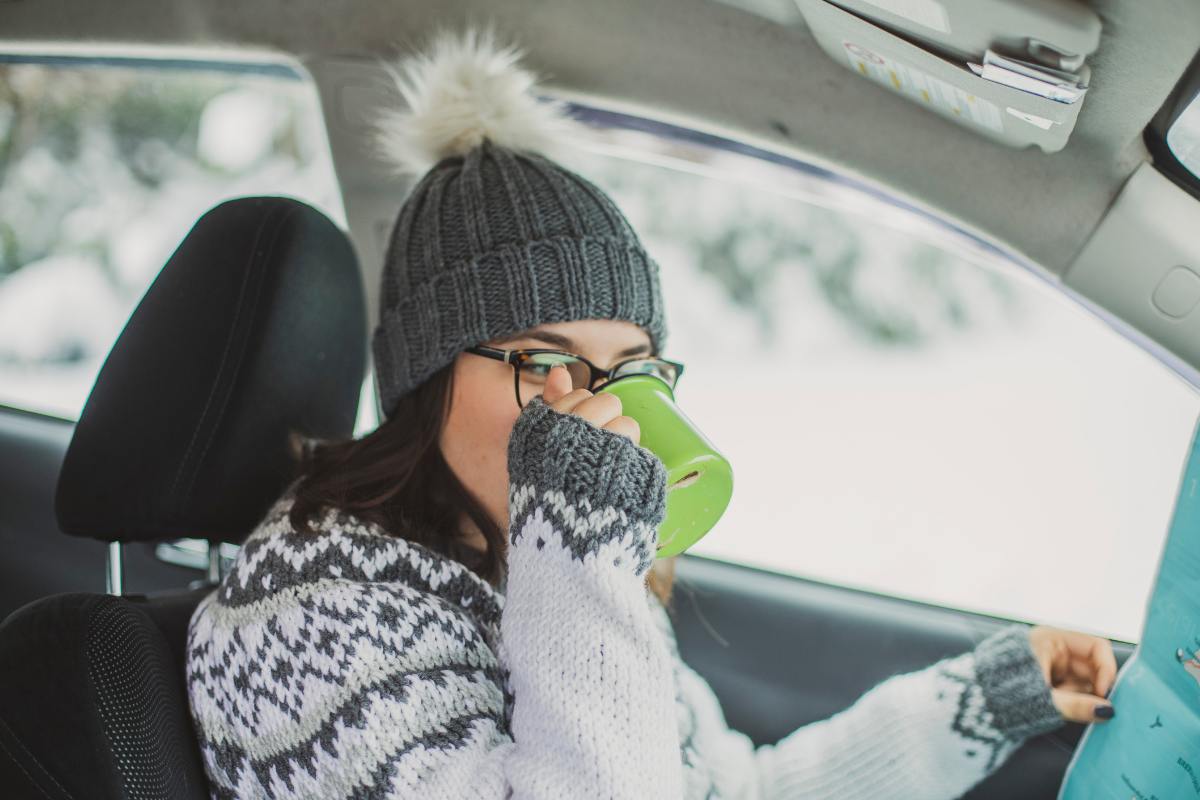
(532, 365)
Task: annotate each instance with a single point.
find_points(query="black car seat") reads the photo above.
(255, 327)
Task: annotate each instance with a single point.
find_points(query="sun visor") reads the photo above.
(1015, 73)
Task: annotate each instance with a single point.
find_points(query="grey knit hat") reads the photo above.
(496, 237)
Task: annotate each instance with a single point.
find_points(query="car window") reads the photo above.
(906, 410)
(1184, 137)
(105, 164)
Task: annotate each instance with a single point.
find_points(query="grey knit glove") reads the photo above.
(593, 474)
(1014, 688)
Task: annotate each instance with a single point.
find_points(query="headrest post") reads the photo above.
(214, 563)
(114, 575)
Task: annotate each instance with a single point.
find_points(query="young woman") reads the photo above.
(465, 603)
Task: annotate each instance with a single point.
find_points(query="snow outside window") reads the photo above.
(104, 167)
(906, 410)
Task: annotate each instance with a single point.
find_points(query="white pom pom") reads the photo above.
(462, 89)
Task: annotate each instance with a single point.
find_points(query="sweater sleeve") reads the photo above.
(352, 664)
(929, 734)
(592, 709)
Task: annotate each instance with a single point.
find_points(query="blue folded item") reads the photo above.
(1151, 748)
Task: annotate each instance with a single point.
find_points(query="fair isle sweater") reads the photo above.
(352, 663)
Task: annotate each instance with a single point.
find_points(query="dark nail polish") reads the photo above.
(1105, 712)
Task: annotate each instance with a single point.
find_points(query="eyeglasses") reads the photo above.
(532, 367)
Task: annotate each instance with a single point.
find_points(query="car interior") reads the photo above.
(257, 325)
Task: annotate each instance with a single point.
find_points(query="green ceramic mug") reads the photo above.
(699, 478)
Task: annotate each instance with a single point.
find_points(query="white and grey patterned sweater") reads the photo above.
(350, 663)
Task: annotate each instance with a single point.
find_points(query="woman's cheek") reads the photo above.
(502, 431)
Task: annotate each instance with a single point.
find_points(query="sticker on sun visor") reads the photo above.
(924, 88)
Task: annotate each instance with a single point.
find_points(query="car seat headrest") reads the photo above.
(255, 327)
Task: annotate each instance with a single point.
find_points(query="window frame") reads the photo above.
(1186, 91)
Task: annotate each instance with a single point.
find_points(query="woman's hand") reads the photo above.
(1080, 670)
(602, 410)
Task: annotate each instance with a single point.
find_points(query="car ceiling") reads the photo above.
(749, 69)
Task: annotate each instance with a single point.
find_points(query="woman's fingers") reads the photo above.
(1081, 706)
(626, 426)
(1090, 658)
(1106, 666)
(602, 410)
(596, 409)
(1080, 669)
(1074, 684)
(562, 398)
(558, 386)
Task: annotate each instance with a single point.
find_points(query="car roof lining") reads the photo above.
(735, 71)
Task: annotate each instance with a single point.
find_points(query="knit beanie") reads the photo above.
(496, 237)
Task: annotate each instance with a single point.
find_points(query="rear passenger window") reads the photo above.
(1184, 137)
(105, 164)
(907, 410)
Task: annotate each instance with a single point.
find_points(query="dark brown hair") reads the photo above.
(397, 478)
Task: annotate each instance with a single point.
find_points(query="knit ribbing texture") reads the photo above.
(497, 241)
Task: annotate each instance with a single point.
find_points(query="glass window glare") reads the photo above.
(906, 411)
(1184, 137)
